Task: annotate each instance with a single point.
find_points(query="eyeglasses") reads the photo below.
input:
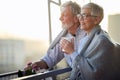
(84, 16)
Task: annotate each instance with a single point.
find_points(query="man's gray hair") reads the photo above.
(96, 10)
(75, 8)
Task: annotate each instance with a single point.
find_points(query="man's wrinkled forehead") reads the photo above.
(62, 9)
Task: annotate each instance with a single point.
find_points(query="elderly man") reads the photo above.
(70, 24)
(99, 57)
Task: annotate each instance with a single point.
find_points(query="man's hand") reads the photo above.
(36, 66)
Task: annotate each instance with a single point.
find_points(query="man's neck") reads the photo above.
(73, 30)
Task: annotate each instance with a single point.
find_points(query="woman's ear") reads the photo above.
(97, 20)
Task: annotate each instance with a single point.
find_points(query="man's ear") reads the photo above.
(76, 19)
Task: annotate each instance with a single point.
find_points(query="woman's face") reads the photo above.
(87, 20)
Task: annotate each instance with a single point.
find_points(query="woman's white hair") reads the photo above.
(96, 10)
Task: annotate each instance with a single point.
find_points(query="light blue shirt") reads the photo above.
(53, 56)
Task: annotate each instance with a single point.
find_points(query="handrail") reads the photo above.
(40, 76)
(8, 74)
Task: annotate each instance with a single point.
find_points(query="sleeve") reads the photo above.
(73, 56)
(53, 56)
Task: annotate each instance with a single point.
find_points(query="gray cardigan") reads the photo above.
(99, 58)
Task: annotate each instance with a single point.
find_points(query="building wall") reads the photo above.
(16, 53)
(11, 55)
(114, 27)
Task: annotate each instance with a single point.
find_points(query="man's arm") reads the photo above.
(53, 55)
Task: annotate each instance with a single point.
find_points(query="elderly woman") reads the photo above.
(98, 57)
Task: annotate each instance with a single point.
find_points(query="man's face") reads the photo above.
(67, 18)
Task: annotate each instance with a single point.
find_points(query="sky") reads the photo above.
(29, 18)
(25, 18)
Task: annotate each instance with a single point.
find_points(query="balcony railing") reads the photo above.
(9, 75)
(40, 76)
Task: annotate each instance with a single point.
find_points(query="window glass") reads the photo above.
(24, 32)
